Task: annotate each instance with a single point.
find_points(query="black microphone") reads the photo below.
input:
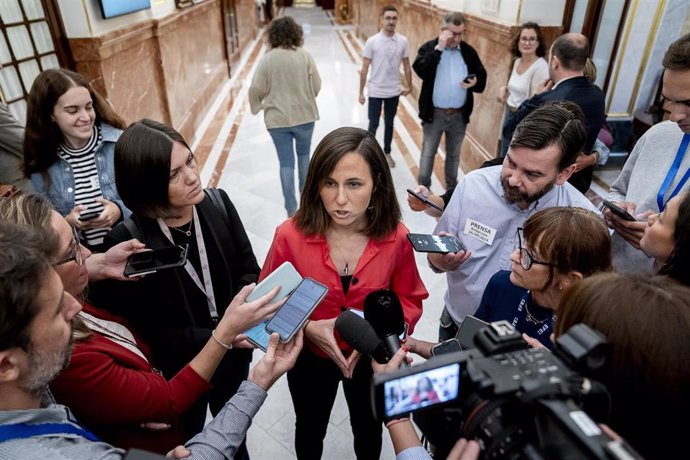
(359, 335)
(383, 311)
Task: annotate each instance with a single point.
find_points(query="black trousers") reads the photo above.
(313, 384)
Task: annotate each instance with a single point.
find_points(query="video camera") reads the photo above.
(518, 402)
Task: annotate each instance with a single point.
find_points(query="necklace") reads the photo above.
(187, 232)
(533, 319)
(346, 269)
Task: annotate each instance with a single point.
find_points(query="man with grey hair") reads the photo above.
(451, 73)
(35, 345)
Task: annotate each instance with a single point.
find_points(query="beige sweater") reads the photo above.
(285, 86)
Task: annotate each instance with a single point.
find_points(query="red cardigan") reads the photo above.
(112, 391)
(387, 263)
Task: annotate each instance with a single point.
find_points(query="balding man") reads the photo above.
(567, 82)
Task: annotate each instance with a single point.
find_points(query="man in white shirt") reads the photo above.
(384, 52)
(489, 204)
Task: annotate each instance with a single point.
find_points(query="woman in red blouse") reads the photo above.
(347, 235)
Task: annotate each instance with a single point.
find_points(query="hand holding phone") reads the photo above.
(296, 310)
(468, 329)
(423, 199)
(468, 77)
(285, 276)
(146, 262)
(442, 244)
(617, 210)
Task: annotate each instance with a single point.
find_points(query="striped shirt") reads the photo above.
(87, 186)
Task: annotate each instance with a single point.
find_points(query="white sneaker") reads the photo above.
(390, 160)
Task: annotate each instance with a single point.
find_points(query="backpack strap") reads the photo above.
(214, 195)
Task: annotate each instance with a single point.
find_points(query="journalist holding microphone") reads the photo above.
(347, 235)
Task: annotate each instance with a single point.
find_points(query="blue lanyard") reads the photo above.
(672, 175)
(28, 430)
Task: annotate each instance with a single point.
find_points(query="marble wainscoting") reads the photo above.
(420, 22)
(169, 69)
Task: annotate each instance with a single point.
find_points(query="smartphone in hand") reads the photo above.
(292, 315)
(617, 210)
(145, 262)
(285, 276)
(442, 244)
(468, 329)
(423, 199)
(467, 78)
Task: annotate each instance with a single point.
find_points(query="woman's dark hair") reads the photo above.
(573, 239)
(647, 322)
(383, 214)
(514, 44)
(142, 167)
(42, 136)
(284, 32)
(678, 264)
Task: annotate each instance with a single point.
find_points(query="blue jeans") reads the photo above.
(390, 108)
(283, 139)
(453, 126)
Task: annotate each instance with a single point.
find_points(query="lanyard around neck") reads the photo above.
(672, 173)
(207, 285)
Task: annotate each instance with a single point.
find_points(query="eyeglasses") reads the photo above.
(528, 39)
(526, 258)
(74, 253)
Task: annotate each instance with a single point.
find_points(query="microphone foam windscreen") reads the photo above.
(382, 309)
(357, 333)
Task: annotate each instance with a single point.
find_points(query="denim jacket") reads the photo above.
(61, 191)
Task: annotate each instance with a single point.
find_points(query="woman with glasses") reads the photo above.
(556, 248)
(68, 152)
(529, 70)
(111, 384)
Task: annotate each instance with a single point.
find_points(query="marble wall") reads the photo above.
(419, 22)
(169, 69)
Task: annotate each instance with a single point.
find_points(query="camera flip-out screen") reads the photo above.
(427, 388)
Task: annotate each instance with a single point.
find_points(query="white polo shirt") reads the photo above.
(386, 54)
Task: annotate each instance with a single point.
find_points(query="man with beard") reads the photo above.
(36, 322)
(489, 205)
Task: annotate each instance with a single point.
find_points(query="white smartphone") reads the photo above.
(292, 315)
(285, 276)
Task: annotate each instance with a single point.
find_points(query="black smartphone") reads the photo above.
(405, 390)
(89, 214)
(468, 329)
(448, 346)
(617, 210)
(292, 315)
(143, 263)
(423, 199)
(435, 243)
(467, 78)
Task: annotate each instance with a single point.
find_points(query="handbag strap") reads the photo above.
(217, 200)
(29, 430)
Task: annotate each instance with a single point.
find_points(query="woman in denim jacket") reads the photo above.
(68, 152)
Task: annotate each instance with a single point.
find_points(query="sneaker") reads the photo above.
(389, 159)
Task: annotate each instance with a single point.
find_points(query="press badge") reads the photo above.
(480, 231)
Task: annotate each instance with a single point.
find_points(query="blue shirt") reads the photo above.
(451, 70)
(502, 300)
(479, 216)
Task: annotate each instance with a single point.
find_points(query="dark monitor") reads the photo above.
(112, 8)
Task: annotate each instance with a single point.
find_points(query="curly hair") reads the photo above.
(284, 32)
(514, 44)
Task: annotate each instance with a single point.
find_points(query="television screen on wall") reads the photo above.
(112, 8)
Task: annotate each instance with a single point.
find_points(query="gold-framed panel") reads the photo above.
(623, 48)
